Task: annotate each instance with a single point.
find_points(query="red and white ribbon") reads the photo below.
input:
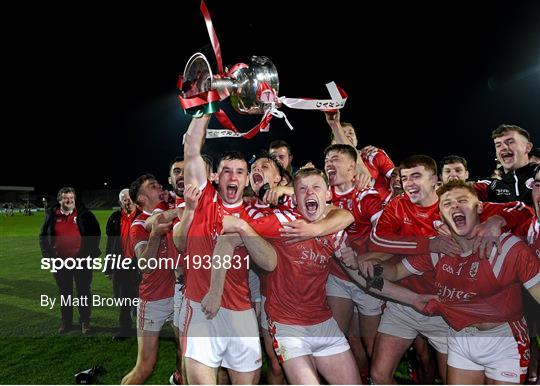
(265, 95)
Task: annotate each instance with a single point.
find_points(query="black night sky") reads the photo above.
(91, 91)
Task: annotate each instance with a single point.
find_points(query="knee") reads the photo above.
(380, 376)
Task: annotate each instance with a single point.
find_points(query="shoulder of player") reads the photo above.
(286, 215)
(366, 193)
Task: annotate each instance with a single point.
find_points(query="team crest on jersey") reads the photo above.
(349, 204)
(474, 269)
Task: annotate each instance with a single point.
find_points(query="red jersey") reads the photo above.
(126, 219)
(202, 235)
(473, 290)
(366, 207)
(380, 166)
(67, 237)
(296, 289)
(530, 231)
(159, 283)
(405, 229)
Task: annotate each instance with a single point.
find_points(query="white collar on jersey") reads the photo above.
(343, 193)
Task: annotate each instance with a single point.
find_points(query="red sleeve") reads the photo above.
(370, 204)
(522, 231)
(137, 235)
(481, 188)
(385, 235)
(418, 264)
(383, 163)
(521, 265)
(267, 227)
(515, 213)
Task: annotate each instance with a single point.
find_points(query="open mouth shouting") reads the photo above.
(459, 219)
(507, 157)
(180, 187)
(231, 191)
(331, 172)
(258, 179)
(312, 206)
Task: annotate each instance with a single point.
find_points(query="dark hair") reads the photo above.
(209, 161)
(229, 156)
(451, 159)
(280, 143)
(456, 184)
(343, 149)
(306, 172)
(64, 190)
(175, 160)
(419, 160)
(502, 129)
(135, 186)
(265, 154)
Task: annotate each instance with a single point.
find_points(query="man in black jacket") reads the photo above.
(125, 281)
(70, 231)
(512, 147)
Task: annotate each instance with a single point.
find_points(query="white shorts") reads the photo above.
(230, 339)
(367, 305)
(152, 315)
(405, 322)
(319, 340)
(254, 286)
(178, 298)
(502, 355)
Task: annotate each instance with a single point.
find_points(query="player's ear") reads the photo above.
(294, 202)
(480, 207)
(170, 181)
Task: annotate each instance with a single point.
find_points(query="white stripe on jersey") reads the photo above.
(289, 215)
(410, 268)
(375, 218)
(390, 243)
(519, 206)
(507, 242)
(434, 258)
(533, 232)
(139, 222)
(281, 217)
(532, 282)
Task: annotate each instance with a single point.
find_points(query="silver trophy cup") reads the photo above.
(242, 85)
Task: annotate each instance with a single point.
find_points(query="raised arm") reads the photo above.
(195, 168)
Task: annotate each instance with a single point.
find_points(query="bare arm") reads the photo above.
(394, 291)
(335, 220)
(260, 250)
(225, 246)
(195, 168)
(149, 250)
(181, 229)
(168, 215)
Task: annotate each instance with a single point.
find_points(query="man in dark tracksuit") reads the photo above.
(125, 281)
(71, 231)
(512, 147)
